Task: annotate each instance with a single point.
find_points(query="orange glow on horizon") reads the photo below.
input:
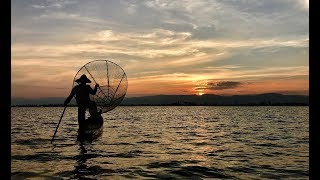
(200, 93)
(149, 88)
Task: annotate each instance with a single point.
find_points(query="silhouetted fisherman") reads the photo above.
(81, 91)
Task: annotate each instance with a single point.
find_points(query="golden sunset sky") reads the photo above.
(164, 46)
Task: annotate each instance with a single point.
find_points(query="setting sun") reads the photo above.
(200, 92)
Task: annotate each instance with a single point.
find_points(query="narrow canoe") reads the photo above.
(93, 128)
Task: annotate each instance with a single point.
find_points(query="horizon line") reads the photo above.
(181, 95)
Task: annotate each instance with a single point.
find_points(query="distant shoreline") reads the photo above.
(280, 104)
(267, 99)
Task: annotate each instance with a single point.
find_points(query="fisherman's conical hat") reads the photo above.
(83, 79)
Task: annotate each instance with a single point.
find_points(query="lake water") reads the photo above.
(164, 142)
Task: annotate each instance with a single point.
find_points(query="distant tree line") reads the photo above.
(179, 104)
(206, 104)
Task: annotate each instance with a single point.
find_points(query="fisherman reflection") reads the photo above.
(81, 169)
(81, 93)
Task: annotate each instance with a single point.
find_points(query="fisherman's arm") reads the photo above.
(73, 92)
(94, 91)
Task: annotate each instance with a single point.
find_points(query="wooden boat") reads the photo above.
(93, 128)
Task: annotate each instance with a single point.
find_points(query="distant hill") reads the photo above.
(206, 99)
(211, 99)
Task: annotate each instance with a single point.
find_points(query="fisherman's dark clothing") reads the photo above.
(81, 93)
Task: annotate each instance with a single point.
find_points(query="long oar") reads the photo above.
(58, 124)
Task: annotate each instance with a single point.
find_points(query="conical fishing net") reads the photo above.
(112, 82)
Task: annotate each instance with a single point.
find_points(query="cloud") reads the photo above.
(67, 16)
(223, 85)
(53, 4)
(131, 9)
(236, 19)
(220, 85)
(38, 6)
(271, 73)
(156, 43)
(285, 86)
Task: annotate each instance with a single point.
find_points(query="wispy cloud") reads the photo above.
(221, 85)
(67, 16)
(53, 4)
(154, 44)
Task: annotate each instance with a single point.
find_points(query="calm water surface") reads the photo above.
(164, 142)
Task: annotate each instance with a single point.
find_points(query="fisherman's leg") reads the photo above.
(81, 117)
